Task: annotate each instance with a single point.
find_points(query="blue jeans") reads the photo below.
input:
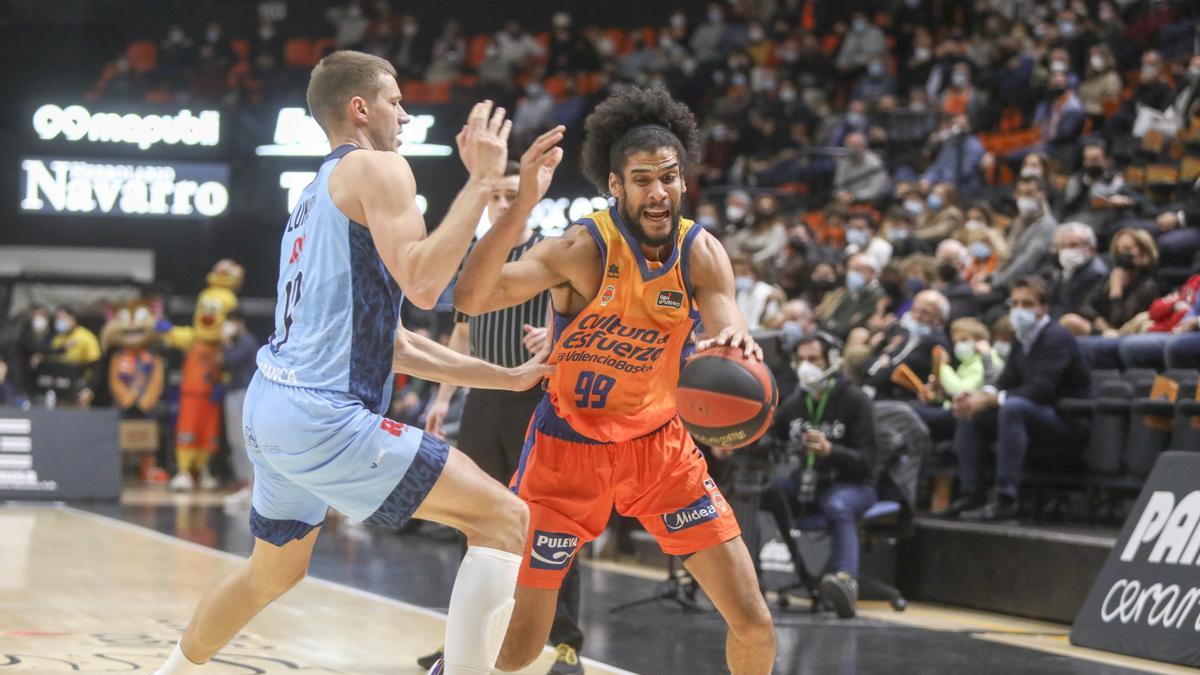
(1100, 351)
(1145, 350)
(1013, 425)
(1183, 351)
(842, 505)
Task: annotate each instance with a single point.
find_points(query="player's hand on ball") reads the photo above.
(732, 337)
(538, 165)
(435, 418)
(483, 142)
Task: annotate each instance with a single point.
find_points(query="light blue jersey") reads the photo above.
(313, 416)
(337, 307)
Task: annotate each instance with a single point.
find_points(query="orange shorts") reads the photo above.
(572, 483)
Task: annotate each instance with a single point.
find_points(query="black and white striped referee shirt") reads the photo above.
(496, 336)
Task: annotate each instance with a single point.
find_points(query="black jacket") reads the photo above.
(920, 359)
(1068, 295)
(1054, 369)
(848, 423)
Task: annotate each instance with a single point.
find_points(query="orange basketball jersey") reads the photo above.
(617, 362)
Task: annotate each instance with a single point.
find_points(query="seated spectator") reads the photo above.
(350, 24)
(910, 342)
(1097, 195)
(829, 427)
(822, 280)
(1018, 412)
(75, 350)
(796, 320)
(10, 393)
(898, 227)
(1112, 306)
(860, 172)
(1101, 86)
(981, 219)
(942, 217)
(1060, 116)
(861, 43)
(958, 156)
(33, 344)
(1153, 91)
(1177, 230)
(876, 82)
(978, 364)
(757, 299)
(951, 258)
(1079, 269)
(448, 55)
(764, 239)
(1173, 314)
(849, 307)
(1029, 238)
(862, 237)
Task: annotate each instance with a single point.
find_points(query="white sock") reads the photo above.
(480, 607)
(178, 664)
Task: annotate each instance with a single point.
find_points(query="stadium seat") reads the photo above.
(298, 53)
(477, 51)
(142, 56)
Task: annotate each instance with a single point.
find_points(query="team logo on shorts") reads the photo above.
(552, 550)
(700, 511)
(607, 296)
(670, 299)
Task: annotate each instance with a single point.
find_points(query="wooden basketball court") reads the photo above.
(82, 593)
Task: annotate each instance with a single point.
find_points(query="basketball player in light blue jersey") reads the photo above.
(353, 247)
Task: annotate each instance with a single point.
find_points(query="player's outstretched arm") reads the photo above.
(489, 255)
(383, 184)
(543, 266)
(421, 357)
(715, 294)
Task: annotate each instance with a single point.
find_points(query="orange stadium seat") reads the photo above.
(477, 52)
(142, 55)
(617, 37)
(556, 86)
(321, 47)
(298, 53)
(241, 49)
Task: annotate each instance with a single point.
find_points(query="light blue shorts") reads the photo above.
(313, 449)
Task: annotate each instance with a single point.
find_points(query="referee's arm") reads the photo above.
(460, 341)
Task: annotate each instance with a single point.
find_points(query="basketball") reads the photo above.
(725, 399)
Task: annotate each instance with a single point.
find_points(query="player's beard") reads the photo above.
(635, 228)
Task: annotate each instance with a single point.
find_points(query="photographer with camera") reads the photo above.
(828, 429)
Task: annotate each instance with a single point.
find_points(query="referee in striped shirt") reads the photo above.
(493, 426)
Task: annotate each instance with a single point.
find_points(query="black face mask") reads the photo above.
(798, 245)
(1124, 260)
(1093, 171)
(821, 285)
(947, 272)
(1054, 92)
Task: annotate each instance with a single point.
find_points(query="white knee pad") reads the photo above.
(481, 605)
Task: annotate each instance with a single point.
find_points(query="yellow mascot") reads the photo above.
(198, 429)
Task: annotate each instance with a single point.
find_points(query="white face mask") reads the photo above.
(812, 378)
(734, 213)
(1072, 258)
(964, 350)
(976, 224)
(1002, 349)
(39, 324)
(1097, 62)
(1028, 206)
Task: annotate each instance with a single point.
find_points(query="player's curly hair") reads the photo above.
(633, 120)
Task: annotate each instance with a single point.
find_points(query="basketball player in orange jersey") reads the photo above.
(629, 286)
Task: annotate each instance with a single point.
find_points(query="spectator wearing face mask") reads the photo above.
(941, 216)
(984, 258)
(862, 237)
(898, 228)
(1100, 90)
(860, 44)
(1060, 116)
(757, 299)
(75, 350)
(1079, 269)
(1177, 229)
(952, 262)
(1128, 289)
(977, 364)
(738, 213)
(849, 307)
(860, 172)
(1029, 238)
(764, 239)
(981, 220)
(1018, 413)
(32, 347)
(876, 82)
(1097, 195)
(910, 342)
(822, 280)
(1153, 91)
(959, 156)
(1172, 315)
(829, 428)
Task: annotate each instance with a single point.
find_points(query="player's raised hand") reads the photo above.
(486, 142)
(538, 165)
(534, 338)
